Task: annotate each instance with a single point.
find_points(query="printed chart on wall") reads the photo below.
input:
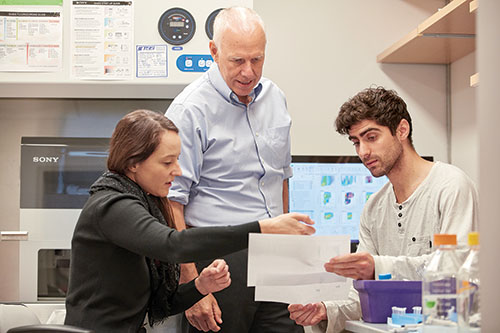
(333, 195)
(102, 40)
(31, 35)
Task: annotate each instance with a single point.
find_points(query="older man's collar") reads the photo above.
(221, 86)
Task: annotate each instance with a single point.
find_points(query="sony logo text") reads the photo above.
(45, 159)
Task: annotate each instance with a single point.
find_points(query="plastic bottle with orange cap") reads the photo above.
(439, 287)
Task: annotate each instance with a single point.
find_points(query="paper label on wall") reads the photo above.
(102, 39)
(31, 38)
(151, 61)
(31, 2)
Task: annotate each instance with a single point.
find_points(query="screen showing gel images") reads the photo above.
(332, 190)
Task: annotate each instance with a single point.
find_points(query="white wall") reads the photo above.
(322, 52)
(464, 136)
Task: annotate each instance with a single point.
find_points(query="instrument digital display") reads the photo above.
(176, 26)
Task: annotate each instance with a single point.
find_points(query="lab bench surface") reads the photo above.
(356, 326)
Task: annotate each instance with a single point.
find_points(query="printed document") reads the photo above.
(102, 40)
(31, 38)
(289, 268)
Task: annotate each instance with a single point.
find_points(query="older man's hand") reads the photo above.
(307, 315)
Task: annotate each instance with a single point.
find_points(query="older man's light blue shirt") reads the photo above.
(234, 157)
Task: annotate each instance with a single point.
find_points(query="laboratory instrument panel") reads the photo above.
(56, 174)
(209, 24)
(185, 27)
(177, 26)
(152, 53)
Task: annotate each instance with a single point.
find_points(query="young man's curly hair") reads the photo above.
(383, 106)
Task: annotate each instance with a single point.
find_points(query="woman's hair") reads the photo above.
(135, 138)
(383, 106)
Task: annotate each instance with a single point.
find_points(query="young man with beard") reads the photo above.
(398, 222)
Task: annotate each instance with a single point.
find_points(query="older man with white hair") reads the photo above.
(235, 133)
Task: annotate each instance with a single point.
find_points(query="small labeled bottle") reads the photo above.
(469, 316)
(439, 287)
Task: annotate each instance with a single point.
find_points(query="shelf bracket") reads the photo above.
(441, 35)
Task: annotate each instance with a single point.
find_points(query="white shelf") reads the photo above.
(473, 5)
(474, 80)
(90, 89)
(446, 36)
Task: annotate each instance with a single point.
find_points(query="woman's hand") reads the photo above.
(291, 223)
(213, 278)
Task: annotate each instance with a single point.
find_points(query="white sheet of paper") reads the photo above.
(303, 294)
(289, 268)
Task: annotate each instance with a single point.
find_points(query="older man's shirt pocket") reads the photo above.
(276, 148)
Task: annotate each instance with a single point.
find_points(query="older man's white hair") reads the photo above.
(237, 19)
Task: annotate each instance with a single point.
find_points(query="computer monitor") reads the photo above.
(332, 190)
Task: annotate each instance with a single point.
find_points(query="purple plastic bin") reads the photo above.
(378, 297)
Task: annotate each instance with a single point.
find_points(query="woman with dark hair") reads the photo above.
(125, 250)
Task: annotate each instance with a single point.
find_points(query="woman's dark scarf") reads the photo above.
(164, 276)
